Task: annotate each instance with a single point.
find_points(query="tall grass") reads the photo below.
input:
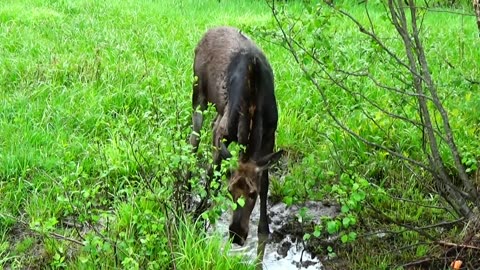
(95, 103)
(95, 115)
(202, 251)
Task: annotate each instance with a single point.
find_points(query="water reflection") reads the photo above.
(262, 243)
(264, 252)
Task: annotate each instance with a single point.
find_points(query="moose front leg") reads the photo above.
(220, 151)
(199, 105)
(270, 158)
(197, 119)
(220, 133)
(263, 227)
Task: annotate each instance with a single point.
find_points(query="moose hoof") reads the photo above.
(237, 239)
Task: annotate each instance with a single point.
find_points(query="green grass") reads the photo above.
(95, 114)
(86, 87)
(213, 255)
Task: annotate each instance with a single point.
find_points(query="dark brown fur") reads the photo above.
(234, 75)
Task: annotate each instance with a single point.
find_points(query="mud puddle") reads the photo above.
(284, 249)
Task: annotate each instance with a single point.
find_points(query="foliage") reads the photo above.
(370, 102)
(95, 119)
(95, 114)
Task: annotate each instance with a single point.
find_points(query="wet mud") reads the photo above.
(284, 249)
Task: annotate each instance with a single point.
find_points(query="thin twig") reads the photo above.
(410, 227)
(63, 237)
(53, 234)
(416, 263)
(165, 205)
(449, 244)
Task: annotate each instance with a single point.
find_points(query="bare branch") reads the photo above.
(294, 53)
(438, 104)
(375, 38)
(457, 245)
(407, 226)
(435, 128)
(476, 8)
(63, 237)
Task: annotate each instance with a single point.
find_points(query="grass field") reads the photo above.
(95, 115)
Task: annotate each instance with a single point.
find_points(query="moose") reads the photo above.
(233, 74)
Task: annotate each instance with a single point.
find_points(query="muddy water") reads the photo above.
(284, 253)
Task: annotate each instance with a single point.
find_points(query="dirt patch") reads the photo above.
(27, 248)
(23, 241)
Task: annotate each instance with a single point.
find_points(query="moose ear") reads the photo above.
(268, 160)
(224, 153)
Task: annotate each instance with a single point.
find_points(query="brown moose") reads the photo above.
(234, 75)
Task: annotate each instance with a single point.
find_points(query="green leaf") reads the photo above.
(288, 200)
(306, 237)
(317, 233)
(358, 196)
(241, 201)
(107, 246)
(363, 182)
(344, 238)
(355, 186)
(234, 206)
(353, 220)
(303, 212)
(346, 222)
(332, 227)
(345, 209)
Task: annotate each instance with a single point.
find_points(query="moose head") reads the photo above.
(245, 184)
